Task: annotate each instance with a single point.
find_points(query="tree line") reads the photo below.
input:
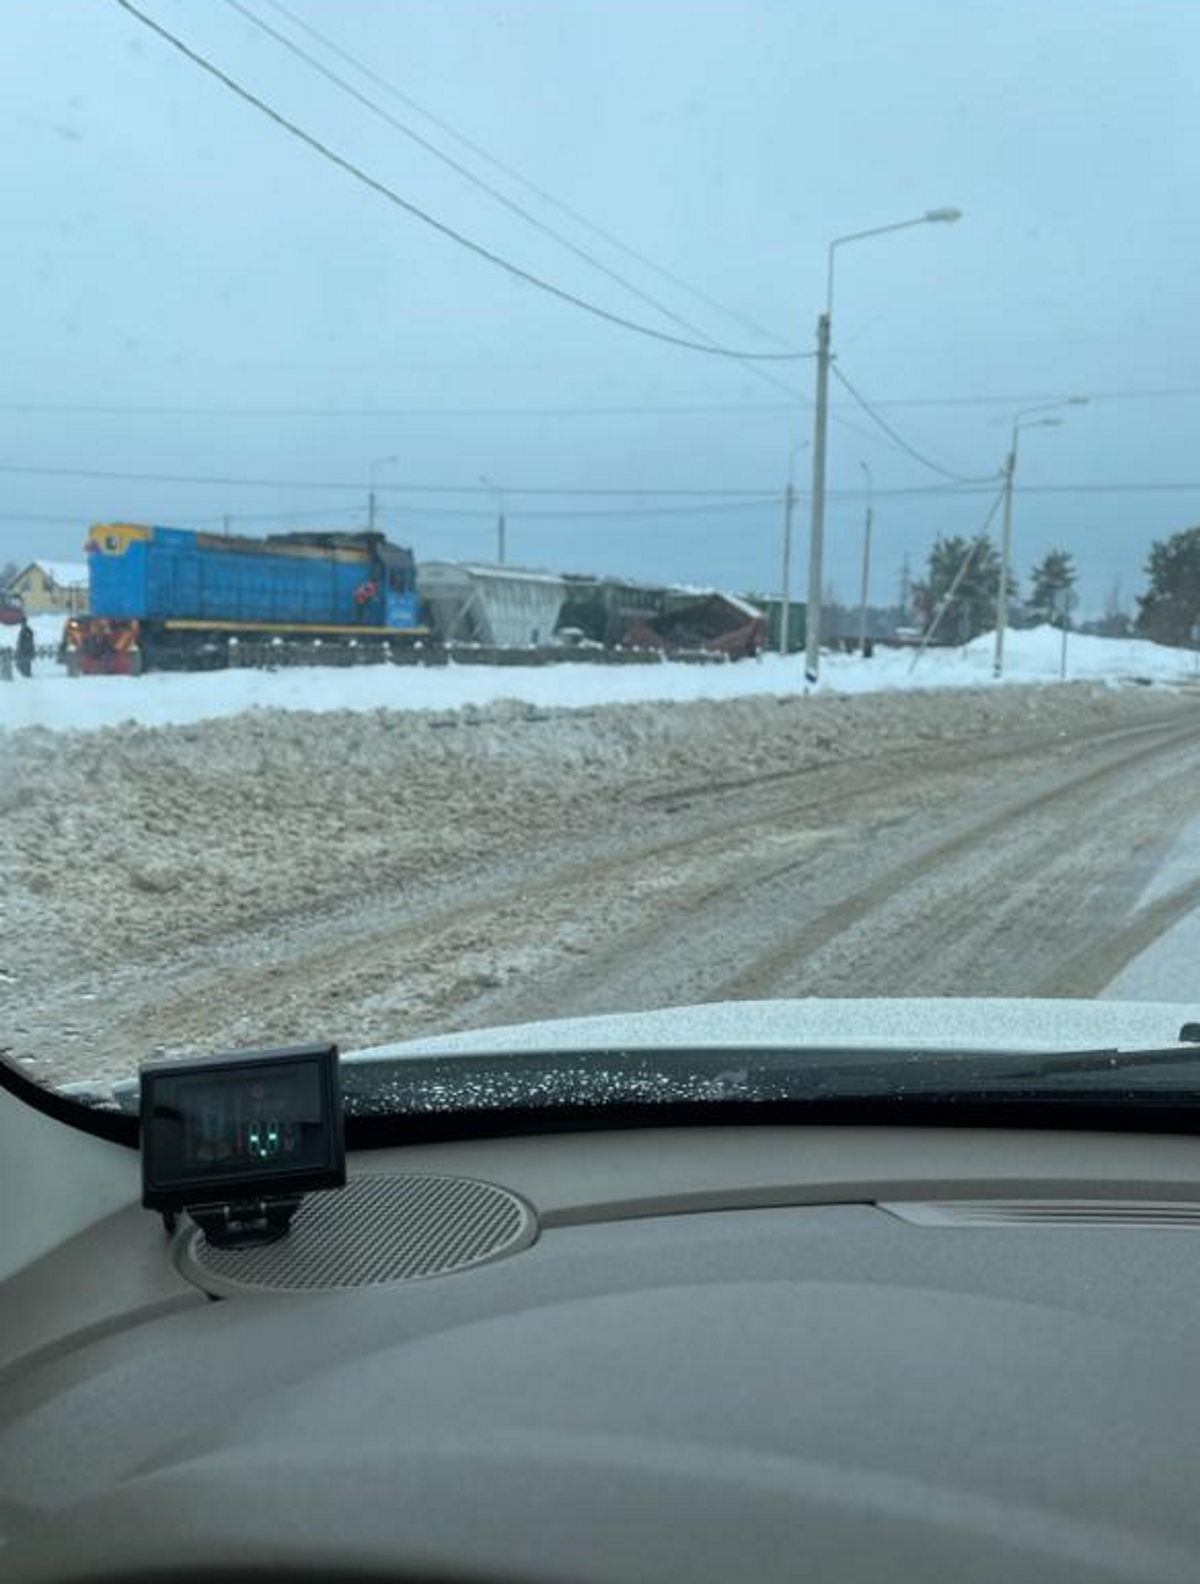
(962, 580)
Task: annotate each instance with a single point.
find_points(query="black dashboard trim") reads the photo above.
(1124, 1114)
(118, 1127)
(1162, 1112)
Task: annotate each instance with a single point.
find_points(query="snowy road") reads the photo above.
(1167, 968)
(367, 878)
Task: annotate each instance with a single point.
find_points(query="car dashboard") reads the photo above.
(702, 1353)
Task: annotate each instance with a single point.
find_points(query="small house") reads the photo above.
(48, 588)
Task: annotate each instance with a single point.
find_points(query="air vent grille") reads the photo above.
(1046, 1212)
(378, 1230)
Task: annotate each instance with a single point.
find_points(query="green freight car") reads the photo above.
(772, 609)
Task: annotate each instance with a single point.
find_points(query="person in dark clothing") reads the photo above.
(25, 650)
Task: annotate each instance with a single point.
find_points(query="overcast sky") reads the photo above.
(166, 247)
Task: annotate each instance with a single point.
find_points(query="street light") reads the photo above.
(378, 463)
(789, 500)
(1010, 468)
(816, 547)
(492, 485)
(866, 563)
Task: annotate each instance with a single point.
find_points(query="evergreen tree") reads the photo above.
(1170, 607)
(973, 607)
(1054, 574)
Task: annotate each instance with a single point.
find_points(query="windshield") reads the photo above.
(519, 511)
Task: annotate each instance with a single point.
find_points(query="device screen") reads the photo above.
(215, 1123)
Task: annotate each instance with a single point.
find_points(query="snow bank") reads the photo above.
(47, 631)
(1036, 654)
(60, 703)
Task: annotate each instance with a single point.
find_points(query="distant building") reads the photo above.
(48, 588)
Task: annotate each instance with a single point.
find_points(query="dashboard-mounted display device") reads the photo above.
(237, 1140)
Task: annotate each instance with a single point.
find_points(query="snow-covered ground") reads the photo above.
(1167, 969)
(53, 700)
(47, 631)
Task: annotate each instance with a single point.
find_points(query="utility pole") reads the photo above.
(785, 597)
(947, 599)
(498, 491)
(371, 503)
(785, 593)
(1010, 467)
(812, 618)
(866, 565)
(812, 649)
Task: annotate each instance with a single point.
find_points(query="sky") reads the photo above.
(195, 296)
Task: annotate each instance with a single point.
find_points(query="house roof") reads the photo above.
(64, 574)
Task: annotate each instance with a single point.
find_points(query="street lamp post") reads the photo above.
(816, 545)
(785, 598)
(1010, 469)
(500, 527)
(377, 463)
(866, 563)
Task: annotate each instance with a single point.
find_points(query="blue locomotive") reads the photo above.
(179, 596)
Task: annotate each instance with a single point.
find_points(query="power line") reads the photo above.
(466, 517)
(524, 514)
(522, 181)
(43, 517)
(187, 518)
(475, 515)
(1166, 393)
(527, 513)
(471, 517)
(632, 492)
(899, 440)
(94, 409)
(629, 410)
(278, 516)
(440, 226)
(231, 482)
(896, 492)
(1154, 487)
(462, 170)
(714, 505)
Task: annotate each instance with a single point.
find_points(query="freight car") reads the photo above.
(176, 598)
(604, 609)
(619, 613)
